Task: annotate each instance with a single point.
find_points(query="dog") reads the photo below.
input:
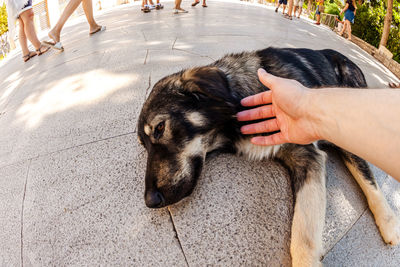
(192, 113)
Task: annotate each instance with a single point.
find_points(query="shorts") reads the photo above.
(298, 3)
(26, 7)
(349, 15)
(283, 2)
(317, 11)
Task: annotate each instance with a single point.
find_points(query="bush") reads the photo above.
(368, 25)
(3, 19)
(332, 8)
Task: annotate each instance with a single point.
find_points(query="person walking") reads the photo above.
(298, 4)
(55, 32)
(349, 10)
(21, 10)
(319, 10)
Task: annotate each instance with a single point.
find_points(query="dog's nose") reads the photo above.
(153, 199)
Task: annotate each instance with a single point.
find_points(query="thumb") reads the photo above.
(266, 78)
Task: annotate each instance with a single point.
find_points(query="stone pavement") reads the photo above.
(71, 170)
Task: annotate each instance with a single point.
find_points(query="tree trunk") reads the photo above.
(387, 23)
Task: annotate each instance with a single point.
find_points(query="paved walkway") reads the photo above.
(71, 170)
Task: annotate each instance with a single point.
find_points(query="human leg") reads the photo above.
(348, 30)
(30, 32)
(69, 9)
(22, 38)
(88, 9)
(344, 28)
(29, 27)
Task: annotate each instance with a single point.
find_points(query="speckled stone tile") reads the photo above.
(239, 215)
(12, 185)
(84, 206)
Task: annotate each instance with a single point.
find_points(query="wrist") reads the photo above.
(317, 115)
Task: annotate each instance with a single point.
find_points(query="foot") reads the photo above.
(28, 56)
(42, 49)
(204, 5)
(159, 6)
(317, 23)
(276, 10)
(54, 35)
(152, 7)
(180, 10)
(146, 9)
(96, 29)
(195, 3)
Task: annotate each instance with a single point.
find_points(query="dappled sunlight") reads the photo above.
(77, 90)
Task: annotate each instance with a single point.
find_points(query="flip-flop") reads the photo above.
(204, 5)
(30, 55)
(195, 3)
(101, 29)
(54, 45)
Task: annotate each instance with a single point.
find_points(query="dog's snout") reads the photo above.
(154, 199)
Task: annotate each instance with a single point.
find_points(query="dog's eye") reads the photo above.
(159, 130)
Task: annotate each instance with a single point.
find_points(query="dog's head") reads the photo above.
(178, 125)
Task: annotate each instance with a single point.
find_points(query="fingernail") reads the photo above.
(243, 129)
(243, 101)
(261, 71)
(240, 115)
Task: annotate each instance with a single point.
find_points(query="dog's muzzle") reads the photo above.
(154, 199)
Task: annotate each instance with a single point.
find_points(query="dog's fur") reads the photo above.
(191, 113)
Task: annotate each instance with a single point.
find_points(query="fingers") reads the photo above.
(261, 127)
(258, 99)
(256, 113)
(271, 140)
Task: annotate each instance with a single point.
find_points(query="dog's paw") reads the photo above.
(389, 227)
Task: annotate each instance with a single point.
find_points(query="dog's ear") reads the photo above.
(206, 83)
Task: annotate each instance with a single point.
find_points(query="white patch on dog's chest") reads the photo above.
(254, 152)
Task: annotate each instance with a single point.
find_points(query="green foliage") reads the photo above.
(368, 25)
(332, 8)
(3, 19)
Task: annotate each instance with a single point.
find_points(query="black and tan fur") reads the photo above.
(191, 113)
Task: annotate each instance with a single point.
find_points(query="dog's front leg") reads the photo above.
(306, 165)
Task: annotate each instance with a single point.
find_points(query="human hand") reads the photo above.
(285, 106)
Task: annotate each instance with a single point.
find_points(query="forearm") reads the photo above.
(365, 122)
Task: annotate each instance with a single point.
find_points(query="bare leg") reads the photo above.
(22, 38)
(88, 9)
(178, 4)
(290, 8)
(284, 7)
(29, 27)
(344, 28)
(69, 9)
(348, 30)
(300, 9)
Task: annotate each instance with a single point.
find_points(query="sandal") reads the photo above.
(100, 29)
(195, 3)
(30, 55)
(41, 51)
(146, 9)
(204, 5)
(159, 6)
